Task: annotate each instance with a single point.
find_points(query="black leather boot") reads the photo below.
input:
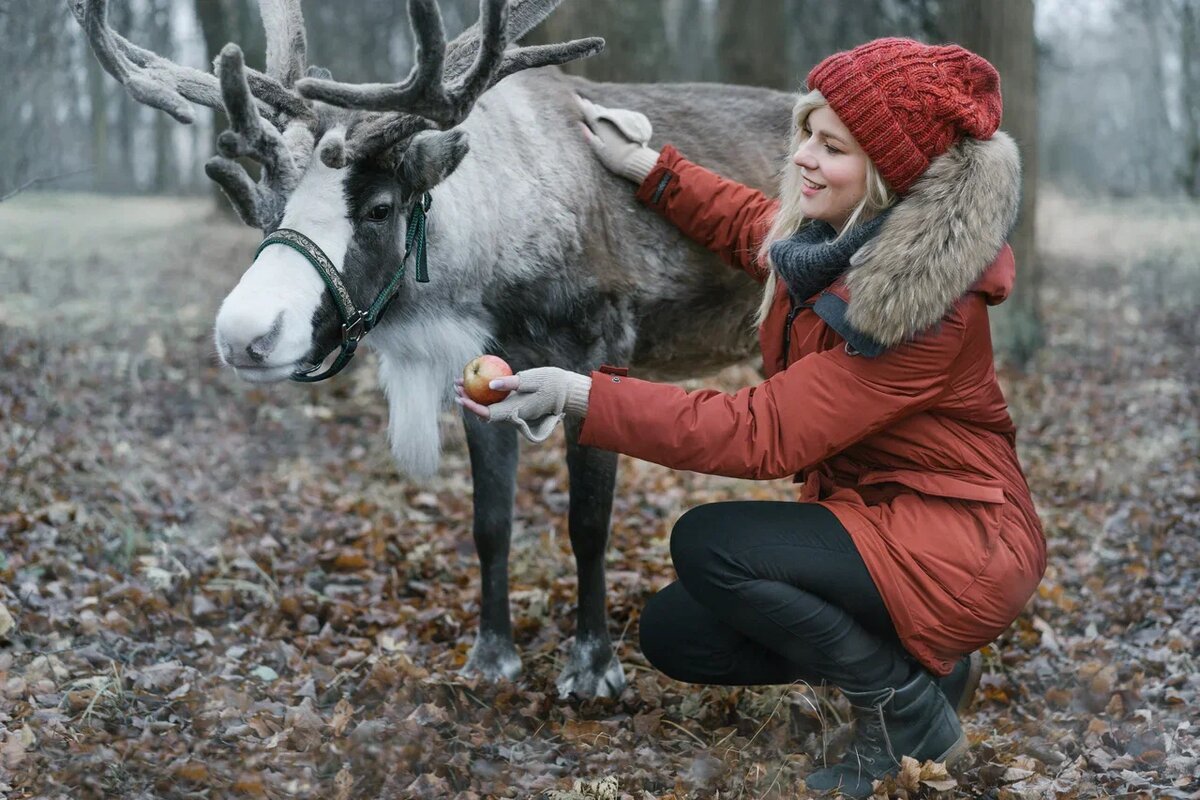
(960, 685)
(912, 720)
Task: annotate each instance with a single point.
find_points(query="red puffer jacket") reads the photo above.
(912, 450)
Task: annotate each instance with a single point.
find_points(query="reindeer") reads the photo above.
(534, 251)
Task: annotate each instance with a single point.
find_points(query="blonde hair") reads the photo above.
(878, 197)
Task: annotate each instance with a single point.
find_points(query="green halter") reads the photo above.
(355, 323)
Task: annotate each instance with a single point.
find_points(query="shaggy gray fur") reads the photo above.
(547, 261)
(937, 241)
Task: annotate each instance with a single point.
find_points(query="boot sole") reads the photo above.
(956, 756)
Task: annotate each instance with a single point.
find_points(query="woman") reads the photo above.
(914, 541)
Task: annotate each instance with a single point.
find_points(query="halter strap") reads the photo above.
(355, 323)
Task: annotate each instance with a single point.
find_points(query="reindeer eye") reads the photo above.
(379, 213)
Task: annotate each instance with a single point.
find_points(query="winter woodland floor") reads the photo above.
(212, 590)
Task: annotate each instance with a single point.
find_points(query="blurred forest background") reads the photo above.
(210, 588)
(1102, 95)
(1117, 81)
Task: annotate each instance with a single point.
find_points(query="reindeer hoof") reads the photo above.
(592, 671)
(492, 658)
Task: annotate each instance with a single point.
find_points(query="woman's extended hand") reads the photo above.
(539, 398)
(619, 138)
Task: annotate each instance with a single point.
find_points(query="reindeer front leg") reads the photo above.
(592, 668)
(493, 450)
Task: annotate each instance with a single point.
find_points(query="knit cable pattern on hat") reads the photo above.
(906, 102)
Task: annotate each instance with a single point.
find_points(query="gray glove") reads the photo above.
(619, 138)
(542, 397)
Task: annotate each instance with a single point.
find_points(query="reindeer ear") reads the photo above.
(430, 157)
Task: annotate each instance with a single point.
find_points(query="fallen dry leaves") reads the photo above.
(218, 590)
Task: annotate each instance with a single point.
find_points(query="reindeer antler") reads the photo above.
(441, 87)
(282, 154)
(167, 86)
(268, 121)
(275, 125)
(287, 46)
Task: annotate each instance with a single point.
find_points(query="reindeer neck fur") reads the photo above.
(538, 254)
(499, 225)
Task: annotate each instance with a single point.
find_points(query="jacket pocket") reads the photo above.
(980, 490)
(950, 540)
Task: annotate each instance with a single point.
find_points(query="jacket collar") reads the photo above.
(832, 305)
(945, 238)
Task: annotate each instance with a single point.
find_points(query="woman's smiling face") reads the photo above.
(832, 166)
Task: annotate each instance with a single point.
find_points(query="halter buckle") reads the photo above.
(354, 328)
(356, 323)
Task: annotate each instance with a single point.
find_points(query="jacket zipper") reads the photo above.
(787, 327)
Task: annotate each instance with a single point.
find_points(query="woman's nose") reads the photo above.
(803, 157)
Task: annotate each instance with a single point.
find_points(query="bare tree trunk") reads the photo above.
(921, 15)
(219, 22)
(752, 43)
(128, 110)
(635, 32)
(1158, 19)
(818, 28)
(1189, 30)
(165, 175)
(689, 33)
(1002, 32)
(98, 97)
(33, 57)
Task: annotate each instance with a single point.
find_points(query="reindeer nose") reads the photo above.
(254, 353)
(260, 348)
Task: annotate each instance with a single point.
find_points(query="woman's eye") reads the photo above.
(831, 149)
(379, 213)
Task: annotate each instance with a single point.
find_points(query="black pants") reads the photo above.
(771, 592)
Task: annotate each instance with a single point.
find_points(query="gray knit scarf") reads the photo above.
(812, 258)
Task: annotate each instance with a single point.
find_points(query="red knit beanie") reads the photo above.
(907, 103)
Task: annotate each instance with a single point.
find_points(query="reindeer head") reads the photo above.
(379, 149)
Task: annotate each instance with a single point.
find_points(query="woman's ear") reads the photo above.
(430, 157)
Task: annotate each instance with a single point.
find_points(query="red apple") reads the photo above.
(481, 371)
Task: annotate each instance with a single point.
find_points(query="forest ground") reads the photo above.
(210, 589)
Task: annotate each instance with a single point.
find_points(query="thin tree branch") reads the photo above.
(33, 181)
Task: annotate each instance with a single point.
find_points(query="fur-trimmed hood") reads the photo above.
(937, 241)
